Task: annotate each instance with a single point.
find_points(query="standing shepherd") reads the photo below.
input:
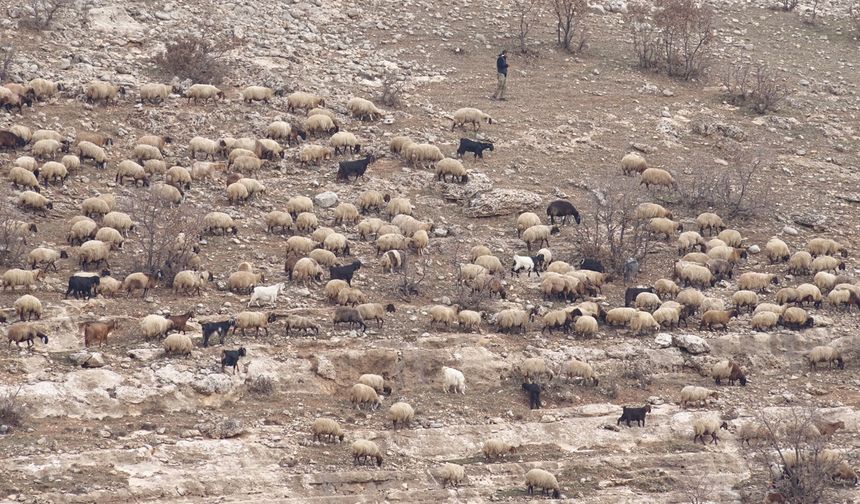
(502, 69)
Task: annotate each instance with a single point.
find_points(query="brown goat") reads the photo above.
(180, 320)
(826, 429)
(97, 332)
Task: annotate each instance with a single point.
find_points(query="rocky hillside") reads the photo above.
(124, 421)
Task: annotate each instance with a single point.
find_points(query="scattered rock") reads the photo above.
(325, 199)
(810, 220)
(789, 230)
(664, 340)
(222, 429)
(498, 202)
(691, 343)
(754, 249)
(325, 368)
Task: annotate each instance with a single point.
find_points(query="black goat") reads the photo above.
(476, 148)
(9, 140)
(561, 208)
(631, 293)
(533, 391)
(220, 328)
(591, 265)
(344, 272)
(82, 286)
(634, 415)
(355, 168)
(230, 358)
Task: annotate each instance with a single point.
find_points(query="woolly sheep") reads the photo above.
(16, 277)
(26, 162)
(826, 354)
(539, 234)
(620, 316)
(453, 380)
(364, 449)
(43, 88)
(362, 394)
(94, 207)
(643, 322)
(253, 320)
(244, 281)
(826, 263)
(307, 270)
(647, 211)
(574, 368)
(688, 240)
(203, 92)
(320, 123)
(337, 243)
(695, 274)
(155, 326)
(808, 293)
(452, 167)
(257, 93)
(633, 162)
(525, 221)
(496, 448)
(707, 426)
(842, 297)
(23, 331)
(660, 225)
(544, 480)
(825, 281)
(764, 320)
(188, 281)
(424, 155)
(46, 257)
(667, 316)
(710, 222)
(728, 370)
(452, 473)
(694, 394)
(647, 301)
(21, 177)
(178, 343)
(756, 281)
(743, 298)
(372, 311)
(82, 231)
(472, 116)
(534, 369)
(304, 324)
(826, 246)
(800, 263)
(303, 100)
(401, 413)
(46, 149)
(110, 235)
(328, 428)
(658, 177)
(219, 221)
(323, 257)
(71, 162)
(154, 93)
(139, 281)
(28, 306)
(666, 288)
(399, 206)
(512, 318)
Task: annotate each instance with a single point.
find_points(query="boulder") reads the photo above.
(325, 199)
(497, 202)
(691, 343)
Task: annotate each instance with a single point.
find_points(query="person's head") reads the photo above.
(504, 52)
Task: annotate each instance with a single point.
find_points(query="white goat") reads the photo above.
(526, 263)
(266, 294)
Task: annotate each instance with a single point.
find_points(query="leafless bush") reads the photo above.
(13, 244)
(737, 190)
(411, 277)
(636, 374)
(612, 233)
(789, 5)
(201, 59)
(698, 490)
(168, 234)
(675, 37)
(810, 17)
(392, 88)
(570, 24)
(38, 14)
(7, 54)
(11, 411)
(754, 86)
(526, 13)
(262, 386)
(854, 14)
(794, 438)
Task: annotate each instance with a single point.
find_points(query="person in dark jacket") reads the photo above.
(502, 69)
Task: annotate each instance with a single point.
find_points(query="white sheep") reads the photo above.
(496, 448)
(756, 281)
(257, 93)
(452, 473)
(188, 281)
(303, 100)
(539, 234)
(694, 394)
(366, 450)
(102, 91)
(46, 257)
(21, 177)
(155, 326)
(633, 162)
(178, 343)
(255, 321)
(471, 116)
(362, 394)
(203, 92)
(453, 379)
(15, 277)
(219, 221)
(154, 92)
(401, 413)
(320, 123)
(28, 306)
(544, 480)
(574, 368)
(44, 88)
(46, 149)
(707, 426)
(361, 108)
(658, 177)
(326, 427)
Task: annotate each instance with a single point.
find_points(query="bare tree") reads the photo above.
(675, 37)
(754, 86)
(201, 59)
(7, 54)
(570, 24)
(526, 13)
(612, 233)
(792, 454)
(13, 233)
(392, 88)
(40, 13)
(737, 190)
(811, 15)
(168, 234)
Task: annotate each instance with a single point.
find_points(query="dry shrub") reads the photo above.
(7, 54)
(201, 59)
(788, 5)
(262, 386)
(810, 17)
(754, 86)
(13, 244)
(411, 277)
(636, 374)
(674, 37)
(612, 233)
(570, 24)
(38, 14)
(735, 191)
(392, 88)
(11, 411)
(526, 13)
(806, 482)
(167, 234)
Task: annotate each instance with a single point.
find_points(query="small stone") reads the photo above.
(663, 340)
(547, 419)
(789, 230)
(754, 249)
(668, 92)
(325, 199)
(691, 343)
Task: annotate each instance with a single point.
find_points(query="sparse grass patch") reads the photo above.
(262, 386)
